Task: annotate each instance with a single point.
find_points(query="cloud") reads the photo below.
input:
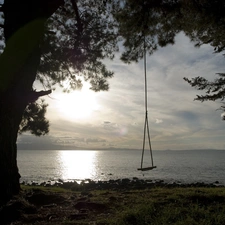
(158, 121)
(187, 116)
(184, 123)
(29, 142)
(109, 125)
(95, 140)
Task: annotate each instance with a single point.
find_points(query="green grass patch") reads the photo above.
(42, 188)
(158, 206)
(180, 206)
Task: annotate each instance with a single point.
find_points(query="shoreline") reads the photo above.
(125, 183)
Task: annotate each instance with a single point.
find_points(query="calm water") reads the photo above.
(184, 166)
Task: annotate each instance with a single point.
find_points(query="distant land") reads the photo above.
(34, 147)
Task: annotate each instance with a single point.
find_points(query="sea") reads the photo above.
(183, 166)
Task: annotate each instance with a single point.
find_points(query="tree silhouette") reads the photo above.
(51, 41)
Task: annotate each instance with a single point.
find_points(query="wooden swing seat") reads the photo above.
(147, 168)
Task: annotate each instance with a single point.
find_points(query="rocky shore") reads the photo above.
(128, 184)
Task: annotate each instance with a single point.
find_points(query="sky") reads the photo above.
(115, 119)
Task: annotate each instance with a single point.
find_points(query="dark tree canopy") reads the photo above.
(34, 119)
(152, 24)
(146, 24)
(78, 36)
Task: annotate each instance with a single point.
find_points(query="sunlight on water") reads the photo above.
(77, 164)
(184, 166)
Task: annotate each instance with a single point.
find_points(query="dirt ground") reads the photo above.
(46, 207)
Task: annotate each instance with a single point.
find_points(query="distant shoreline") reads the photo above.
(116, 149)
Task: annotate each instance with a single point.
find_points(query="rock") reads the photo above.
(125, 180)
(43, 184)
(60, 180)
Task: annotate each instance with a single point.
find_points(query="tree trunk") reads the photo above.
(9, 175)
(13, 102)
(23, 30)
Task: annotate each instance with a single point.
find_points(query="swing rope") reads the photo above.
(146, 125)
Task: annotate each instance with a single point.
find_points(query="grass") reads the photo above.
(157, 206)
(175, 206)
(43, 188)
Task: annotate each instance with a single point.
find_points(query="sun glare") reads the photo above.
(78, 104)
(77, 164)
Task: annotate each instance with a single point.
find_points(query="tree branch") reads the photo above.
(79, 24)
(34, 95)
(42, 93)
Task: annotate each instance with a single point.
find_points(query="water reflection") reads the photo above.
(77, 164)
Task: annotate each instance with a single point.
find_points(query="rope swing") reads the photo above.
(146, 126)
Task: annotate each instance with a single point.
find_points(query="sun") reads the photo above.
(78, 104)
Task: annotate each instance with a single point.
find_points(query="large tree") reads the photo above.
(55, 42)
